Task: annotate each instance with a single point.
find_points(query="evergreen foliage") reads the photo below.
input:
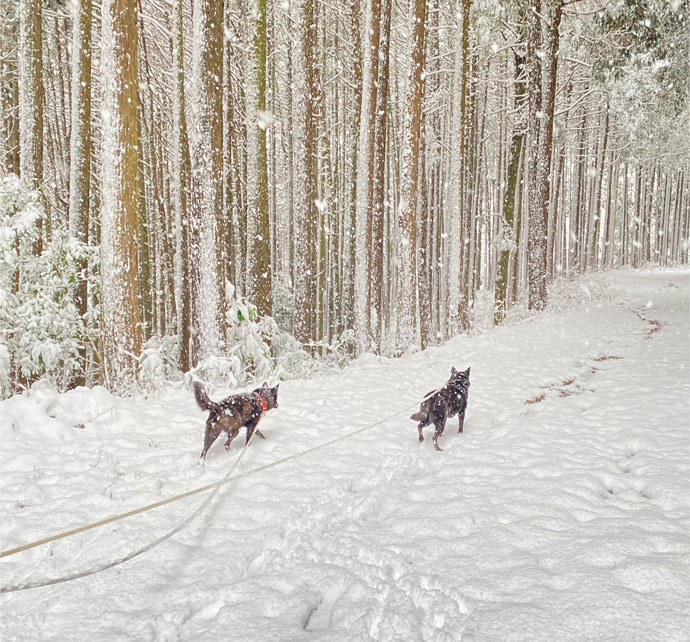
(41, 331)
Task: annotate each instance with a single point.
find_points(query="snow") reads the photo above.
(561, 513)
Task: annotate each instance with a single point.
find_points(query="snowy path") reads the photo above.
(560, 514)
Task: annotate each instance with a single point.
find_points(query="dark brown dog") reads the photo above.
(444, 403)
(235, 411)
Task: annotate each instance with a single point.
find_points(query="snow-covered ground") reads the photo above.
(560, 514)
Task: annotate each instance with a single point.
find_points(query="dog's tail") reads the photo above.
(420, 415)
(202, 398)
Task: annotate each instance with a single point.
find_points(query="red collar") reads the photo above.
(263, 402)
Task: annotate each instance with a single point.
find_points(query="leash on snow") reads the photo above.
(104, 567)
(215, 486)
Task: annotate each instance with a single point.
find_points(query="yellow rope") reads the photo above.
(114, 518)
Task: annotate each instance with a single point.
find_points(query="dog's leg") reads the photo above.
(461, 420)
(228, 441)
(440, 426)
(419, 428)
(251, 427)
(212, 433)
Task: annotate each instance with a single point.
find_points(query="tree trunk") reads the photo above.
(306, 194)
(462, 312)
(207, 157)
(365, 173)
(409, 186)
(542, 93)
(80, 158)
(181, 182)
(120, 196)
(259, 270)
(509, 198)
(379, 180)
(31, 99)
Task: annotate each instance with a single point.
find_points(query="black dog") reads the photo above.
(439, 405)
(235, 411)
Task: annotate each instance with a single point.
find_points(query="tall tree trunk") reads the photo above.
(120, 196)
(80, 145)
(595, 258)
(207, 156)
(542, 93)
(31, 98)
(409, 185)
(457, 222)
(463, 313)
(259, 272)
(379, 180)
(365, 173)
(181, 181)
(349, 259)
(306, 192)
(508, 246)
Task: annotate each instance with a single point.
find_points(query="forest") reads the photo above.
(244, 188)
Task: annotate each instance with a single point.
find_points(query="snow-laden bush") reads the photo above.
(247, 356)
(570, 292)
(40, 327)
(566, 293)
(158, 362)
(257, 350)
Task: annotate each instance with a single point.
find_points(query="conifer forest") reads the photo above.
(249, 188)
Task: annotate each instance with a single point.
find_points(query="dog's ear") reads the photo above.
(467, 372)
(453, 371)
(264, 384)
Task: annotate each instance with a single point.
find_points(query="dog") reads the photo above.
(439, 405)
(233, 412)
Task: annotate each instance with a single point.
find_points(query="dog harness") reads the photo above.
(263, 403)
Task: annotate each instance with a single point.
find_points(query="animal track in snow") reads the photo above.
(654, 325)
(573, 385)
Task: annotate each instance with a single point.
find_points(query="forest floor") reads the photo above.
(560, 514)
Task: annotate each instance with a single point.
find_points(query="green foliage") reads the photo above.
(40, 328)
(637, 34)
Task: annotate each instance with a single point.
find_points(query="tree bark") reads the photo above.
(259, 270)
(207, 155)
(80, 157)
(509, 198)
(181, 181)
(120, 196)
(409, 186)
(542, 92)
